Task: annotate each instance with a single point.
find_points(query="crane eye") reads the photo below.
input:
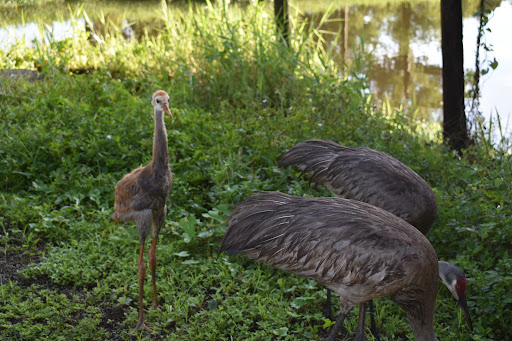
(158, 101)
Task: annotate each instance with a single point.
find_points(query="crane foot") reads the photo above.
(141, 324)
(156, 305)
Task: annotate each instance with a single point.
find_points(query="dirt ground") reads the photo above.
(15, 258)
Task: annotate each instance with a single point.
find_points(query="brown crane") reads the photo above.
(327, 239)
(376, 178)
(141, 196)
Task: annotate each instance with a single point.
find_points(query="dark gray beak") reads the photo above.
(464, 305)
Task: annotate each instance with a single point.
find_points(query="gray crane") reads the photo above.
(376, 178)
(141, 196)
(327, 239)
(366, 175)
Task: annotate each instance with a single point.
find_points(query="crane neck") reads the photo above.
(160, 147)
(421, 319)
(424, 333)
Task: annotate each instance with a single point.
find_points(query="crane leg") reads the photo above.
(152, 268)
(143, 221)
(373, 326)
(362, 318)
(142, 275)
(338, 326)
(327, 311)
(158, 222)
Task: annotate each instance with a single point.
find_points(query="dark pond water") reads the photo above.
(403, 38)
(404, 41)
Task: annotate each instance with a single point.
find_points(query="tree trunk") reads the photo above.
(282, 22)
(454, 126)
(404, 47)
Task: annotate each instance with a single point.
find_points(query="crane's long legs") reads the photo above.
(327, 311)
(142, 275)
(143, 221)
(373, 325)
(362, 318)
(158, 222)
(337, 327)
(152, 268)
(360, 328)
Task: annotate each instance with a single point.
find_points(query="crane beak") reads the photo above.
(464, 306)
(165, 107)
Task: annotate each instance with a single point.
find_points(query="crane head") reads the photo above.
(161, 101)
(455, 280)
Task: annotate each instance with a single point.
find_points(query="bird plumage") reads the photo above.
(366, 175)
(376, 178)
(143, 188)
(328, 239)
(141, 196)
(147, 187)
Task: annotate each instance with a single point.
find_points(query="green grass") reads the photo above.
(240, 99)
(27, 3)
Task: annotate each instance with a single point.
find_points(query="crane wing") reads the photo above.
(331, 240)
(366, 175)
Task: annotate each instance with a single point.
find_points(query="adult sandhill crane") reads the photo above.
(366, 175)
(141, 196)
(327, 239)
(373, 177)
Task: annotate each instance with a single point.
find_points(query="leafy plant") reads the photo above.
(189, 228)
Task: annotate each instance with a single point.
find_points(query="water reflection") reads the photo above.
(496, 86)
(402, 38)
(134, 18)
(404, 41)
(396, 34)
(31, 32)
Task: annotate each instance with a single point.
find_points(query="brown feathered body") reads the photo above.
(329, 239)
(144, 188)
(147, 187)
(366, 175)
(141, 196)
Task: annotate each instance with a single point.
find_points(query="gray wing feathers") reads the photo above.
(327, 239)
(366, 175)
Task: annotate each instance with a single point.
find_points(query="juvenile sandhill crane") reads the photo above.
(141, 196)
(376, 178)
(327, 239)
